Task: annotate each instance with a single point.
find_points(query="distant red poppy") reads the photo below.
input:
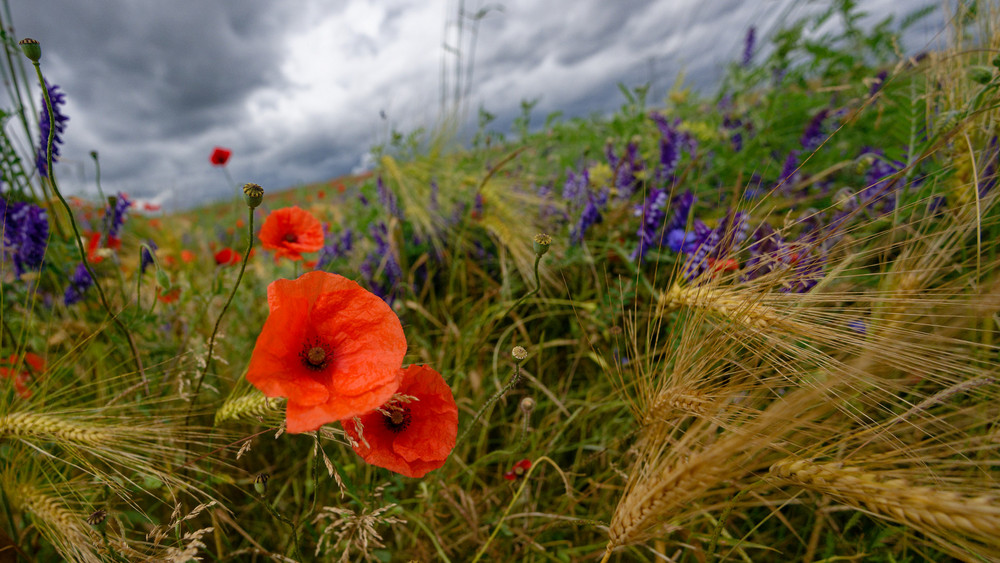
(290, 231)
(169, 296)
(328, 345)
(410, 438)
(519, 470)
(220, 156)
(722, 265)
(227, 257)
(34, 362)
(93, 242)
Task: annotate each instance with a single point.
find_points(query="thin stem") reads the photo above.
(538, 286)
(295, 534)
(79, 241)
(496, 396)
(218, 321)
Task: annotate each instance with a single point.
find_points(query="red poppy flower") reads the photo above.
(93, 241)
(723, 265)
(220, 156)
(329, 346)
(290, 231)
(519, 470)
(169, 296)
(33, 361)
(187, 256)
(410, 438)
(227, 257)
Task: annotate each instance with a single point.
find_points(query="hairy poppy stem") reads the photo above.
(492, 400)
(76, 233)
(218, 321)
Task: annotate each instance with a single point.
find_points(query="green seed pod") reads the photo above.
(31, 48)
(541, 244)
(253, 194)
(162, 279)
(260, 483)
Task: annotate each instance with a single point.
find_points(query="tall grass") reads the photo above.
(800, 364)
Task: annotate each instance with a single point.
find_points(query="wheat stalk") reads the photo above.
(928, 509)
(252, 406)
(64, 528)
(33, 425)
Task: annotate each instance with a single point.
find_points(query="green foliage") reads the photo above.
(894, 202)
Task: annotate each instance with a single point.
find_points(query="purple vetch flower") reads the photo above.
(115, 215)
(763, 250)
(651, 214)
(671, 141)
(748, 46)
(590, 215)
(814, 134)
(576, 188)
(381, 261)
(79, 282)
(879, 193)
(877, 83)
(145, 256)
(788, 171)
(25, 234)
(388, 199)
(625, 169)
(339, 248)
(58, 100)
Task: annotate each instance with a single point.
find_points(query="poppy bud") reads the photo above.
(541, 244)
(93, 155)
(519, 353)
(260, 483)
(253, 194)
(163, 279)
(527, 406)
(31, 48)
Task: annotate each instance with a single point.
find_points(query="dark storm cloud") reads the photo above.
(165, 68)
(296, 88)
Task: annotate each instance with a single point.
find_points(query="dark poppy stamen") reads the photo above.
(290, 237)
(315, 355)
(398, 419)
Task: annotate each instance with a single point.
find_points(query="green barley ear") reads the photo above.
(31, 48)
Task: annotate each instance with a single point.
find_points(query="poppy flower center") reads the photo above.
(397, 419)
(290, 237)
(315, 355)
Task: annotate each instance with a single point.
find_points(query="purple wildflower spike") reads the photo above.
(590, 215)
(651, 213)
(58, 100)
(79, 282)
(748, 46)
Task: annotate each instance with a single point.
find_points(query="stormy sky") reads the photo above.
(301, 89)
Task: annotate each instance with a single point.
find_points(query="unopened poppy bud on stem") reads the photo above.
(260, 483)
(31, 48)
(519, 353)
(253, 194)
(541, 244)
(527, 406)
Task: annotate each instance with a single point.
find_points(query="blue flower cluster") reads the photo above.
(45, 126)
(25, 234)
(79, 283)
